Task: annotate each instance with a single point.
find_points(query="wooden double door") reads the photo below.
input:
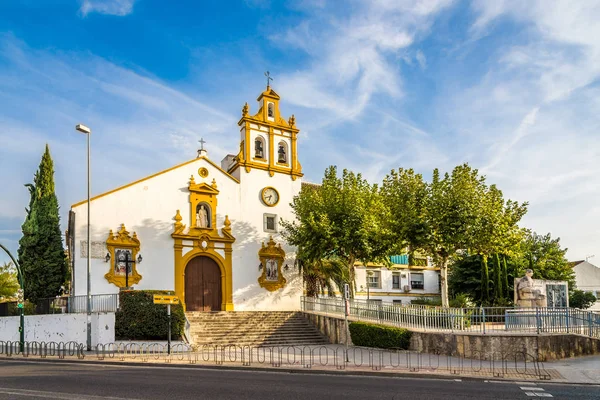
(202, 285)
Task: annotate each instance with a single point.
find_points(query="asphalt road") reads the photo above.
(60, 380)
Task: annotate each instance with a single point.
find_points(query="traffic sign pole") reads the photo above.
(346, 312)
(169, 339)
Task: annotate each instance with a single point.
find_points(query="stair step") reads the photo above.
(253, 328)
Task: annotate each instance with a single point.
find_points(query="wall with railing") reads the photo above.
(100, 303)
(481, 320)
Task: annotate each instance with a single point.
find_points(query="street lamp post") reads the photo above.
(21, 299)
(369, 274)
(87, 131)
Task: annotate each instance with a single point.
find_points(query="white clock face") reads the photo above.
(270, 196)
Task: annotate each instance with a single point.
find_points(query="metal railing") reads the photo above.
(64, 305)
(514, 365)
(481, 320)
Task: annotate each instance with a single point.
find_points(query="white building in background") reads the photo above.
(209, 231)
(398, 283)
(587, 278)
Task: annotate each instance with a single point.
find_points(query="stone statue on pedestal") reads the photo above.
(527, 294)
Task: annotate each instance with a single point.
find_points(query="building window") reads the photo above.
(270, 223)
(396, 281)
(417, 281)
(270, 111)
(374, 279)
(259, 148)
(397, 302)
(282, 153)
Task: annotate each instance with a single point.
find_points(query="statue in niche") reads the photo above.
(528, 294)
(272, 273)
(202, 220)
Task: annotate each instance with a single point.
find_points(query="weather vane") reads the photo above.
(268, 75)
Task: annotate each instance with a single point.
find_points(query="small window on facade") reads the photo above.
(374, 280)
(396, 281)
(270, 111)
(417, 281)
(397, 302)
(282, 154)
(259, 151)
(270, 223)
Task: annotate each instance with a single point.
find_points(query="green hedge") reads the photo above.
(138, 318)
(384, 337)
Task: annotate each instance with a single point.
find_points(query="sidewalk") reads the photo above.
(578, 370)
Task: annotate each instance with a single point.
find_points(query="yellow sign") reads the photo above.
(164, 299)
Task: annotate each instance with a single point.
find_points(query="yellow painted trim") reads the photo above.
(271, 252)
(153, 176)
(122, 240)
(399, 293)
(262, 160)
(219, 168)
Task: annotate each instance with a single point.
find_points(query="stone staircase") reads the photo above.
(253, 328)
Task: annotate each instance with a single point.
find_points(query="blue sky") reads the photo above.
(511, 87)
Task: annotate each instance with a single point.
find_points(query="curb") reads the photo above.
(379, 374)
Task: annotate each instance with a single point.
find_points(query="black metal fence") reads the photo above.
(63, 305)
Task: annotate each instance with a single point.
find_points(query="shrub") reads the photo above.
(581, 299)
(428, 301)
(138, 318)
(384, 337)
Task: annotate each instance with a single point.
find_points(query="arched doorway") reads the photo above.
(202, 285)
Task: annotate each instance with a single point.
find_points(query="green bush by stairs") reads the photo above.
(383, 337)
(138, 318)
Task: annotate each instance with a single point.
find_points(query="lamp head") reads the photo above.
(83, 129)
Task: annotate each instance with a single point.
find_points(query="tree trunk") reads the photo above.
(498, 278)
(485, 279)
(444, 280)
(506, 287)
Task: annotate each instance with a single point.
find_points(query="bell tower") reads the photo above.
(268, 141)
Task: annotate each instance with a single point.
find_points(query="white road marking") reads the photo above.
(56, 395)
(531, 388)
(526, 383)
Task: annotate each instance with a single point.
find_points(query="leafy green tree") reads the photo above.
(545, 256)
(321, 275)
(450, 214)
(581, 299)
(343, 219)
(405, 193)
(8, 281)
(41, 253)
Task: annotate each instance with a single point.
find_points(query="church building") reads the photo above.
(208, 231)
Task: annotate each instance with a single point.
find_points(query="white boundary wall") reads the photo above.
(60, 328)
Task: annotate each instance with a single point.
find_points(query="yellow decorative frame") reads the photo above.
(262, 196)
(203, 242)
(203, 172)
(122, 240)
(271, 252)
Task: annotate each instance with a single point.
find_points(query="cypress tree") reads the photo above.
(41, 252)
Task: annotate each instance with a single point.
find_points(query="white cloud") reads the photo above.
(354, 55)
(421, 59)
(110, 7)
(533, 118)
(140, 125)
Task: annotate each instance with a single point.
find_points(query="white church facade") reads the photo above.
(209, 232)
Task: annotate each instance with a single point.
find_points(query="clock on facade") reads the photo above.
(270, 196)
